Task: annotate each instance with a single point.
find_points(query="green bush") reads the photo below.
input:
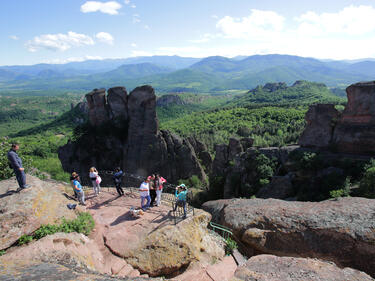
(342, 192)
(230, 246)
(2, 252)
(84, 223)
(367, 183)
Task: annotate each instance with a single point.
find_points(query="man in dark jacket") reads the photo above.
(16, 163)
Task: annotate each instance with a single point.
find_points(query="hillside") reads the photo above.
(300, 93)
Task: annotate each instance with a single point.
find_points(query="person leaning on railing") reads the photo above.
(181, 198)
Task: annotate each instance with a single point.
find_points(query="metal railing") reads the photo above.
(223, 231)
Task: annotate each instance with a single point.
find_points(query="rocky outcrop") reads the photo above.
(320, 121)
(24, 212)
(98, 111)
(353, 131)
(129, 139)
(167, 100)
(118, 103)
(272, 268)
(341, 231)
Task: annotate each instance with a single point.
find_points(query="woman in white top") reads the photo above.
(144, 192)
(93, 177)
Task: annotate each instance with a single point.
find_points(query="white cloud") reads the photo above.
(110, 7)
(352, 20)
(257, 24)
(147, 27)
(59, 41)
(73, 59)
(136, 18)
(214, 17)
(105, 37)
(127, 2)
(14, 37)
(133, 6)
(133, 45)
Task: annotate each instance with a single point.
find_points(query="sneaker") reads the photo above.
(26, 186)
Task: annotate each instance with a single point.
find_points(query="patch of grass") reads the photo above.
(84, 223)
(230, 245)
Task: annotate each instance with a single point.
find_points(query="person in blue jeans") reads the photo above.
(16, 163)
(181, 198)
(144, 192)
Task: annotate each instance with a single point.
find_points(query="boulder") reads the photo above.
(339, 230)
(320, 122)
(273, 268)
(24, 212)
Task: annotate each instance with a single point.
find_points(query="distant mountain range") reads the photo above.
(179, 74)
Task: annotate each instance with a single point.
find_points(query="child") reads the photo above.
(144, 191)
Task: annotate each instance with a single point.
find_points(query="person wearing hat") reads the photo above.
(78, 188)
(181, 198)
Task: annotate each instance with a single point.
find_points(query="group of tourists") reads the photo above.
(95, 181)
(150, 189)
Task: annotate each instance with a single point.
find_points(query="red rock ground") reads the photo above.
(115, 224)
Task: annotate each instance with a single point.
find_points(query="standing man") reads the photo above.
(16, 163)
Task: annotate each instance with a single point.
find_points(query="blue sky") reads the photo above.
(58, 31)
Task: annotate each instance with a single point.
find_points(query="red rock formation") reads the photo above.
(129, 137)
(353, 131)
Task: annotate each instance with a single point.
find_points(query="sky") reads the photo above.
(60, 31)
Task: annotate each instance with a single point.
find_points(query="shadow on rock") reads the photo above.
(8, 193)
